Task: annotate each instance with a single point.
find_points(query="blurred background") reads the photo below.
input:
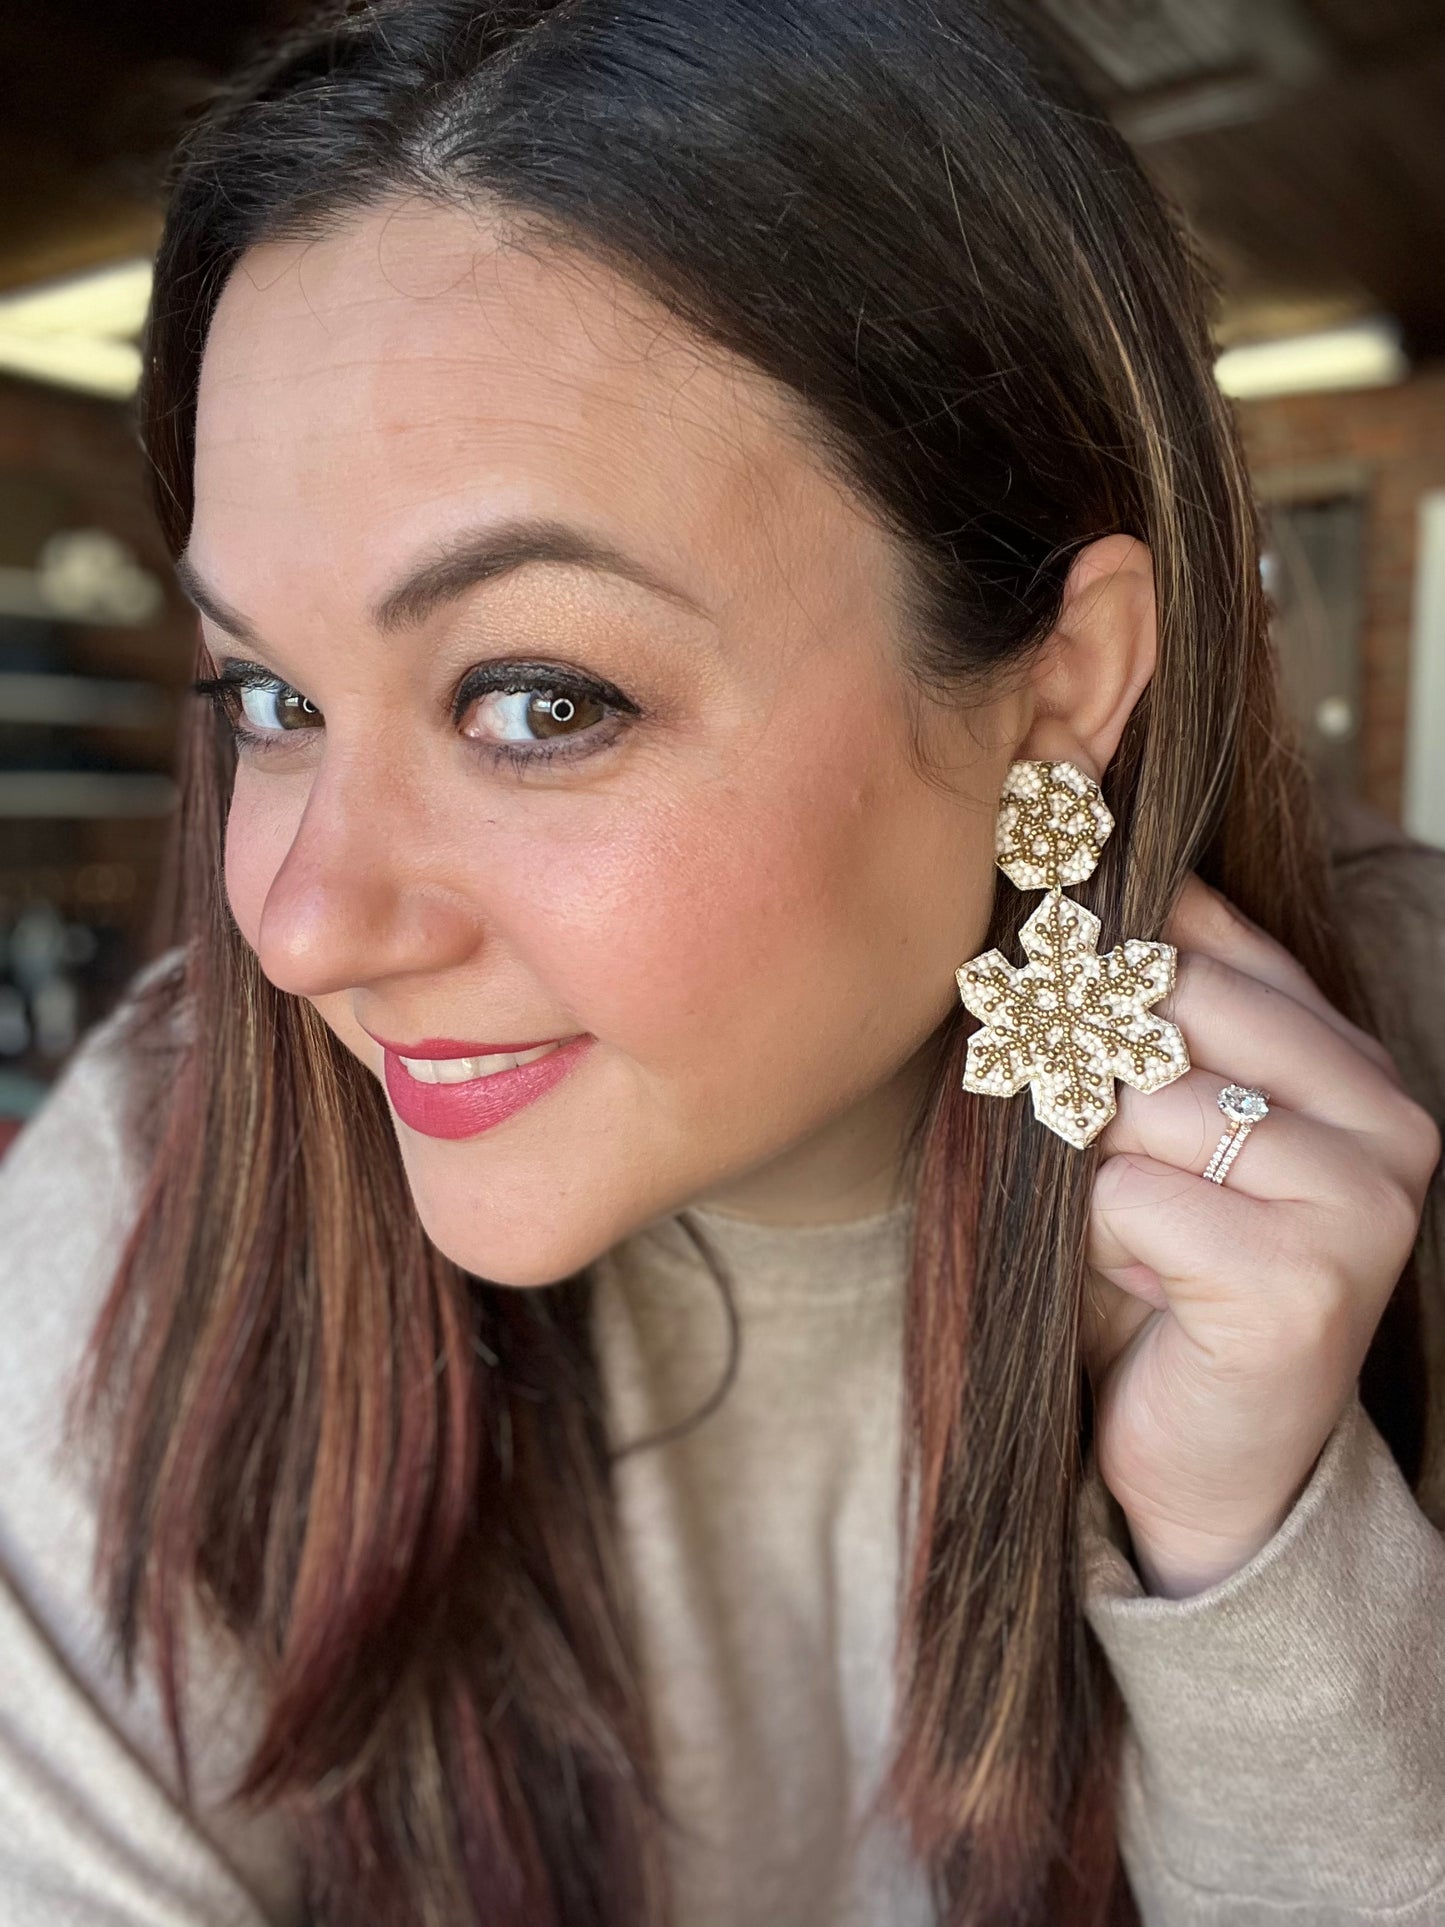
(1303, 139)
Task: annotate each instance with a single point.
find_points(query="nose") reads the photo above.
(357, 897)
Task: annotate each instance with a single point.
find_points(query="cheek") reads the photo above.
(760, 921)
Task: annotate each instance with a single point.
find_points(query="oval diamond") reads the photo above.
(1242, 1104)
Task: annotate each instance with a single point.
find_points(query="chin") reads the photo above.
(509, 1253)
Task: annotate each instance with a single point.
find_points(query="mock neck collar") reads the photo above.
(787, 1265)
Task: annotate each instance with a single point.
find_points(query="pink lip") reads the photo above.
(466, 1110)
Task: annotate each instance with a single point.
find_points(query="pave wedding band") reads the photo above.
(1244, 1107)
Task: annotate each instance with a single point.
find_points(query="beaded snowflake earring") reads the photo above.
(1068, 1022)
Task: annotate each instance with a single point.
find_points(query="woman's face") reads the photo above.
(719, 868)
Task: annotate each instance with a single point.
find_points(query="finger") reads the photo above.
(1215, 1250)
(1287, 1155)
(1116, 1304)
(1206, 922)
(1231, 1018)
(1241, 1276)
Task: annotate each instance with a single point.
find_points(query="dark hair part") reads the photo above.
(908, 216)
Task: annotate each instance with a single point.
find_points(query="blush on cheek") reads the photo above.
(687, 940)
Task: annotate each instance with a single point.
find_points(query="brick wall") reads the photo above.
(1390, 444)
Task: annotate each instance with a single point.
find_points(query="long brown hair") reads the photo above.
(387, 1479)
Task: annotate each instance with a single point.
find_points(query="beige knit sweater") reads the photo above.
(1285, 1759)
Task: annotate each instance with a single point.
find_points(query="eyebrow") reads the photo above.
(457, 565)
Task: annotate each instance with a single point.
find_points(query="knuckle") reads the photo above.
(1316, 1319)
(1307, 1303)
(1295, 1310)
(1379, 1054)
(1398, 1216)
(1309, 1295)
(1219, 917)
(1301, 1274)
(1416, 1138)
(1424, 1137)
(1196, 973)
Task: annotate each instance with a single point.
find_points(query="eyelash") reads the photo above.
(487, 679)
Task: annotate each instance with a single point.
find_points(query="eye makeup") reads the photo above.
(558, 693)
(230, 693)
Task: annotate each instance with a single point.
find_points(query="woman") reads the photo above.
(651, 476)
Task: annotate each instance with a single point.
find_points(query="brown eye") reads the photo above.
(539, 713)
(271, 707)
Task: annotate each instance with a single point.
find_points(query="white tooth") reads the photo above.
(462, 1070)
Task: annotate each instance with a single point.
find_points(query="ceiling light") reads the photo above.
(1365, 354)
(80, 332)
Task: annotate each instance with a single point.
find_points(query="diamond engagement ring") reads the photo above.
(1244, 1107)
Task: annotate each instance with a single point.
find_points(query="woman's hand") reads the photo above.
(1226, 1324)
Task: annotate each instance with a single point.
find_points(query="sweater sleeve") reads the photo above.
(93, 1828)
(1284, 1758)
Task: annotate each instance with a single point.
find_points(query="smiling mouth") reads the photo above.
(464, 1070)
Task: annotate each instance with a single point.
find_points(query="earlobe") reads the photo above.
(1098, 661)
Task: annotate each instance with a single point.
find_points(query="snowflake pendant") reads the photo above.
(1069, 1021)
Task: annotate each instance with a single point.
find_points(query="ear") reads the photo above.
(1097, 662)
